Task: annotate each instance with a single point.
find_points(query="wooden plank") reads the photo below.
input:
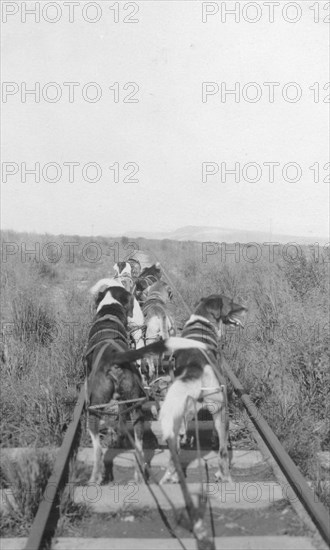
(283, 542)
(241, 458)
(244, 495)
(221, 543)
(44, 523)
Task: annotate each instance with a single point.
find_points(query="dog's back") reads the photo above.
(108, 326)
(189, 364)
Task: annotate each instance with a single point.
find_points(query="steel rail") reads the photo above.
(316, 510)
(45, 521)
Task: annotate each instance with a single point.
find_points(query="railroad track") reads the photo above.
(269, 505)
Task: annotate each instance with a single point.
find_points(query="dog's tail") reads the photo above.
(173, 408)
(101, 285)
(170, 345)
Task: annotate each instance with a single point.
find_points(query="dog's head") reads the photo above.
(107, 295)
(154, 270)
(161, 288)
(122, 268)
(219, 309)
(123, 273)
(135, 267)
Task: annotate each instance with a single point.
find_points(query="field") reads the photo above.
(281, 357)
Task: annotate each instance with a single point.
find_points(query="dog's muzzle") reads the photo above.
(235, 321)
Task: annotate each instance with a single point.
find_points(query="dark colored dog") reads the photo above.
(148, 277)
(109, 379)
(197, 377)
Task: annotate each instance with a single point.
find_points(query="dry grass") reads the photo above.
(25, 479)
(281, 357)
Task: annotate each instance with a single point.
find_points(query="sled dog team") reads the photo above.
(132, 310)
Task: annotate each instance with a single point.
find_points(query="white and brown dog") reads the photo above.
(198, 379)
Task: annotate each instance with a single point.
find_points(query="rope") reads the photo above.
(111, 406)
(199, 457)
(115, 402)
(136, 328)
(209, 500)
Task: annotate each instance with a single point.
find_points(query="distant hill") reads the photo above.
(221, 234)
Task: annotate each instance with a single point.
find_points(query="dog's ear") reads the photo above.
(216, 306)
(99, 296)
(128, 302)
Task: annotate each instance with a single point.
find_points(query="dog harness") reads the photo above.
(143, 282)
(155, 299)
(202, 330)
(107, 328)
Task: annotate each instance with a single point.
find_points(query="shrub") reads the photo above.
(26, 478)
(33, 321)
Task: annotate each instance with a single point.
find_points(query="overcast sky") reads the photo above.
(169, 133)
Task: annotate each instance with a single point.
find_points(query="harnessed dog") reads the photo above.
(135, 268)
(111, 371)
(107, 380)
(136, 320)
(198, 378)
(123, 272)
(148, 277)
(158, 319)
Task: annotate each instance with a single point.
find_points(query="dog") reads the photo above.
(112, 373)
(159, 321)
(136, 320)
(197, 378)
(148, 277)
(107, 380)
(135, 268)
(123, 272)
